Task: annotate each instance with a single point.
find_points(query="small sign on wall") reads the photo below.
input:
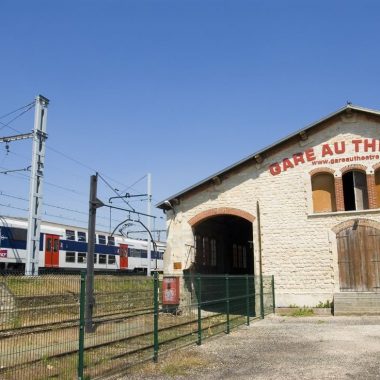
(170, 291)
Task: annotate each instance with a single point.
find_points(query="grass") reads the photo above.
(302, 312)
(45, 285)
(325, 305)
(178, 363)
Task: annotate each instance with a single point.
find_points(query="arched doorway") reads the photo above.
(224, 245)
(359, 257)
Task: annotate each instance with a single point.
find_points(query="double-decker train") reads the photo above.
(65, 247)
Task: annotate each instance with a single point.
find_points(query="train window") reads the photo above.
(48, 244)
(82, 236)
(95, 258)
(56, 242)
(133, 252)
(102, 259)
(70, 235)
(82, 257)
(111, 240)
(70, 257)
(17, 234)
(111, 259)
(101, 239)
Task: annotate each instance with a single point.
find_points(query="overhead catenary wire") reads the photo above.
(4, 125)
(115, 191)
(9, 205)
(78, 162)
(53, 206)
(134, 183)
(25, 109)
(24, 176)
(16, 110)
(65, 155)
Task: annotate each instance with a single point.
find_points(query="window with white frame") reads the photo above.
(70, 257)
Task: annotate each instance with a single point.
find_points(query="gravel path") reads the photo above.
(287, 348)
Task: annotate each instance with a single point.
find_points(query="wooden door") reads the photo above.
(51, 251)
(123, 252)
(359, 259)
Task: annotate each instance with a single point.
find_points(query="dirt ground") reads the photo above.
(279, 348)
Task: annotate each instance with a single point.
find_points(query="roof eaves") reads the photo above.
(260, 152)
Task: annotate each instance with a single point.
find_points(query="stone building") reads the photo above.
(315, 197)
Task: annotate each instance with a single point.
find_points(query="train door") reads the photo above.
(51, 251)
(123, 252)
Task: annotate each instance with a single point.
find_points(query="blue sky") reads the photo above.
(180, 89)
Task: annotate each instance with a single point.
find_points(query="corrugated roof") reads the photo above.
(163, 204)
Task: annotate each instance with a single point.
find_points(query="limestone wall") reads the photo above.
(298, 246)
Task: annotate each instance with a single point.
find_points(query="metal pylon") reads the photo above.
(36, 186)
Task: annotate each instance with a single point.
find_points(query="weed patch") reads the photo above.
(302, 312)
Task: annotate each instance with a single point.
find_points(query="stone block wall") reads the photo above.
(298, 246)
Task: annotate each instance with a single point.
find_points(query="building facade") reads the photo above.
(306, 210)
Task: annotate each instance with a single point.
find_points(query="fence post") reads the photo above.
(228, 304)
(155, 316)
(247, 296)
(82, 299)
(274, 302)
(261, 297)
(199, 295)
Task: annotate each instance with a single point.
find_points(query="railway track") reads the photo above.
(125, 341)
(69, 323)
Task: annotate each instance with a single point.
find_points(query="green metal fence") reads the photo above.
(42, 327)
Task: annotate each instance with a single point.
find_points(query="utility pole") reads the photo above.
(148, 224)
(94, 204)
(36, 186)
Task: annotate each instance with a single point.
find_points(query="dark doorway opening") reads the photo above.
(224, 245)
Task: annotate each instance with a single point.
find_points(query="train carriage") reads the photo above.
(65, 247)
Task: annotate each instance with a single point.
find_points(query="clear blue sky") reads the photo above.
(180, 88)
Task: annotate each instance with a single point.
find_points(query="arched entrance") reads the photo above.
(358, 244)
(224, 244)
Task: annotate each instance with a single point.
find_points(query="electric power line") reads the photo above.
(23, 176)
(83, 165)
(15, 118)
(9, 205)
(18, 109)
(55, 206)
(116, 192)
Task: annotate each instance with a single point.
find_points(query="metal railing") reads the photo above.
(42, 327)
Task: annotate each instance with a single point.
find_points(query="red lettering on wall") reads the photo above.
(356, 144)
(370, 144)
(342, 148)
(309, 153)
(298, 158)
(362, 146)
(275, 169)
(286, 164)
(326, 150)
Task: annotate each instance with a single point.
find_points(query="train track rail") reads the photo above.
(69, 323)
(139, 336)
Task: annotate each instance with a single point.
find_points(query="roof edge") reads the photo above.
(166, 204)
